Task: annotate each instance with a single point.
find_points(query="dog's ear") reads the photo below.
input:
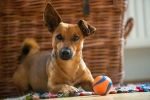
(86, 28)
(51, 17)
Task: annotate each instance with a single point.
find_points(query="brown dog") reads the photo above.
(62, 71)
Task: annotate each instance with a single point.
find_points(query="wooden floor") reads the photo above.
(123, 96)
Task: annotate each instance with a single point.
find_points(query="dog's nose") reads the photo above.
(65, 54)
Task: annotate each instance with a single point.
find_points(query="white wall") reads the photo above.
(137, 50)
(139, 10)
(137, 64)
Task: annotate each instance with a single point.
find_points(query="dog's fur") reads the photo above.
(56, 72)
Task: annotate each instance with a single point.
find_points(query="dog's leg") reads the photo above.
(22, 86)
(21, 82)
(87, 85)
(85, 78)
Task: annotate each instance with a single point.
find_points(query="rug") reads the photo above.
(117, 88)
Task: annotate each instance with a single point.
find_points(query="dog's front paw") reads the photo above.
(72, 91)
(69, 90)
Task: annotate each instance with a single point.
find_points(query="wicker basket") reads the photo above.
(103, 52)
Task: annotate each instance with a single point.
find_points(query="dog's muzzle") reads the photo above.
(65, 54)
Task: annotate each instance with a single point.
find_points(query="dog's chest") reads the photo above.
(71, 71)
(72, 81)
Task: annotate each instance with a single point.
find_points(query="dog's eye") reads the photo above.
(75, 38)
(59, 37)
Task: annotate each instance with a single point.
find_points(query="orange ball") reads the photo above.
(102, 85)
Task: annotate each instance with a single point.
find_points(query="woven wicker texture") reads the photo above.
(103, 52)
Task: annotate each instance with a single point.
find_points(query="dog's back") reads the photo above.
(31, 61)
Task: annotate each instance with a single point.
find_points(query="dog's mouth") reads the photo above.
(65, 54)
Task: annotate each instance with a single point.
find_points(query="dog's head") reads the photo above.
(67, 39)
